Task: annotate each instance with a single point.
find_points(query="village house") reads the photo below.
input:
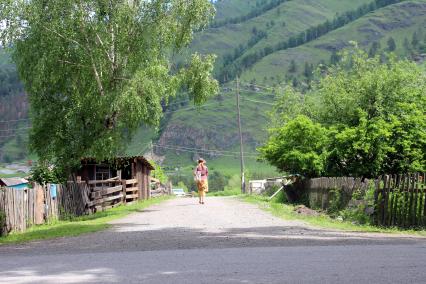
(14, 182)
(133, 170)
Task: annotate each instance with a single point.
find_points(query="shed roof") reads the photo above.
(13, 181)
(122, 158)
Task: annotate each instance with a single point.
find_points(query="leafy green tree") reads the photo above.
(293, 67)
(96, 70)
(298, 147)
(415, 40)
(158, 172)
(391, 44)
(372, 113)
(373, 49)
(407, 45)
(368, 104)
(334, 58)
(217, 181)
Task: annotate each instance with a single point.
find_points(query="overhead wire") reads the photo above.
(14, 120)
(203, 151)
(14, 129)
(208, 150)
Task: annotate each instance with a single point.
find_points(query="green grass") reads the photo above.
(234, 8)
(13, 175)
(398, 21)
(286, 211)
(297, 16)
(215, 125)
(77, 226)
(226, 192)
(140, 143)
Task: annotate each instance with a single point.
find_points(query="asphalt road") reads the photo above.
(224, 241)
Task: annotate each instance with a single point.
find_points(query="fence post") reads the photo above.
(424, 193)
(376, 202)
(416, 198)
(124, 185)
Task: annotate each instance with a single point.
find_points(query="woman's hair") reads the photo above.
(200, 160)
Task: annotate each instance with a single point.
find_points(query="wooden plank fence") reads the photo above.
(401, 200)
(73, 199)
(319, 189)
(18, 208)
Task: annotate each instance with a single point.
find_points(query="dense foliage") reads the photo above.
(158, 173)
(9, 81)
(365, 117)
(96, 70)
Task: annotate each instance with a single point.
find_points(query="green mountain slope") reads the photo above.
(214, 128)
(287, 19)
(399, 21)
(245, 27)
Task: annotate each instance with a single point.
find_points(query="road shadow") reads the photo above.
(143, 237)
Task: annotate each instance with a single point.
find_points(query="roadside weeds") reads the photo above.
(286, 211)
(78, 225)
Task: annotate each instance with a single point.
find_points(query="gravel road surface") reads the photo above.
(223, 241)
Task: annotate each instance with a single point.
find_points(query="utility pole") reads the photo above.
(241, 137)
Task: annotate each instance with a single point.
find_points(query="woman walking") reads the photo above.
(201, 173)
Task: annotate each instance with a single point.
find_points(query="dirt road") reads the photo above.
(180, 227)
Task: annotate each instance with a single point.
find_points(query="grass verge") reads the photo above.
(286, 211)
(79, 225)
(226, 192)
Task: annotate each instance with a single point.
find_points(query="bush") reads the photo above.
(361, 212)
(183, 186)
(217, 181)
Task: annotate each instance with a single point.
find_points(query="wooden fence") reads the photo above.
(20, 209)
(319, 190)
(401, 200)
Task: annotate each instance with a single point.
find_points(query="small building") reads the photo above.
(135, 170)
(14, 182)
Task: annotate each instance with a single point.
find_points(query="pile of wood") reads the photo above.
(159, 189)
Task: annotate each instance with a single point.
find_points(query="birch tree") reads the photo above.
(96, 69)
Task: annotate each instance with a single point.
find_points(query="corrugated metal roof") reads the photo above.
(13, 181)
(142, 158)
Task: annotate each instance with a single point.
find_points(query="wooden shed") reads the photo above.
(132, 172)
(14, 182)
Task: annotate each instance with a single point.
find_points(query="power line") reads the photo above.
(200, 150)
(259, 102)
(258, 92)
(14, 120)
(190, 108)
(259, 86)
(15, 129)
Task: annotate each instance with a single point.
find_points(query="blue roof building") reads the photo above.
(14, 182)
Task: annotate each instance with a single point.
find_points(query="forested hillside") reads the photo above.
(13, 113)
(267, 43)
(282, 45)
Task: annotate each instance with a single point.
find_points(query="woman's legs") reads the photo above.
(201, 195)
